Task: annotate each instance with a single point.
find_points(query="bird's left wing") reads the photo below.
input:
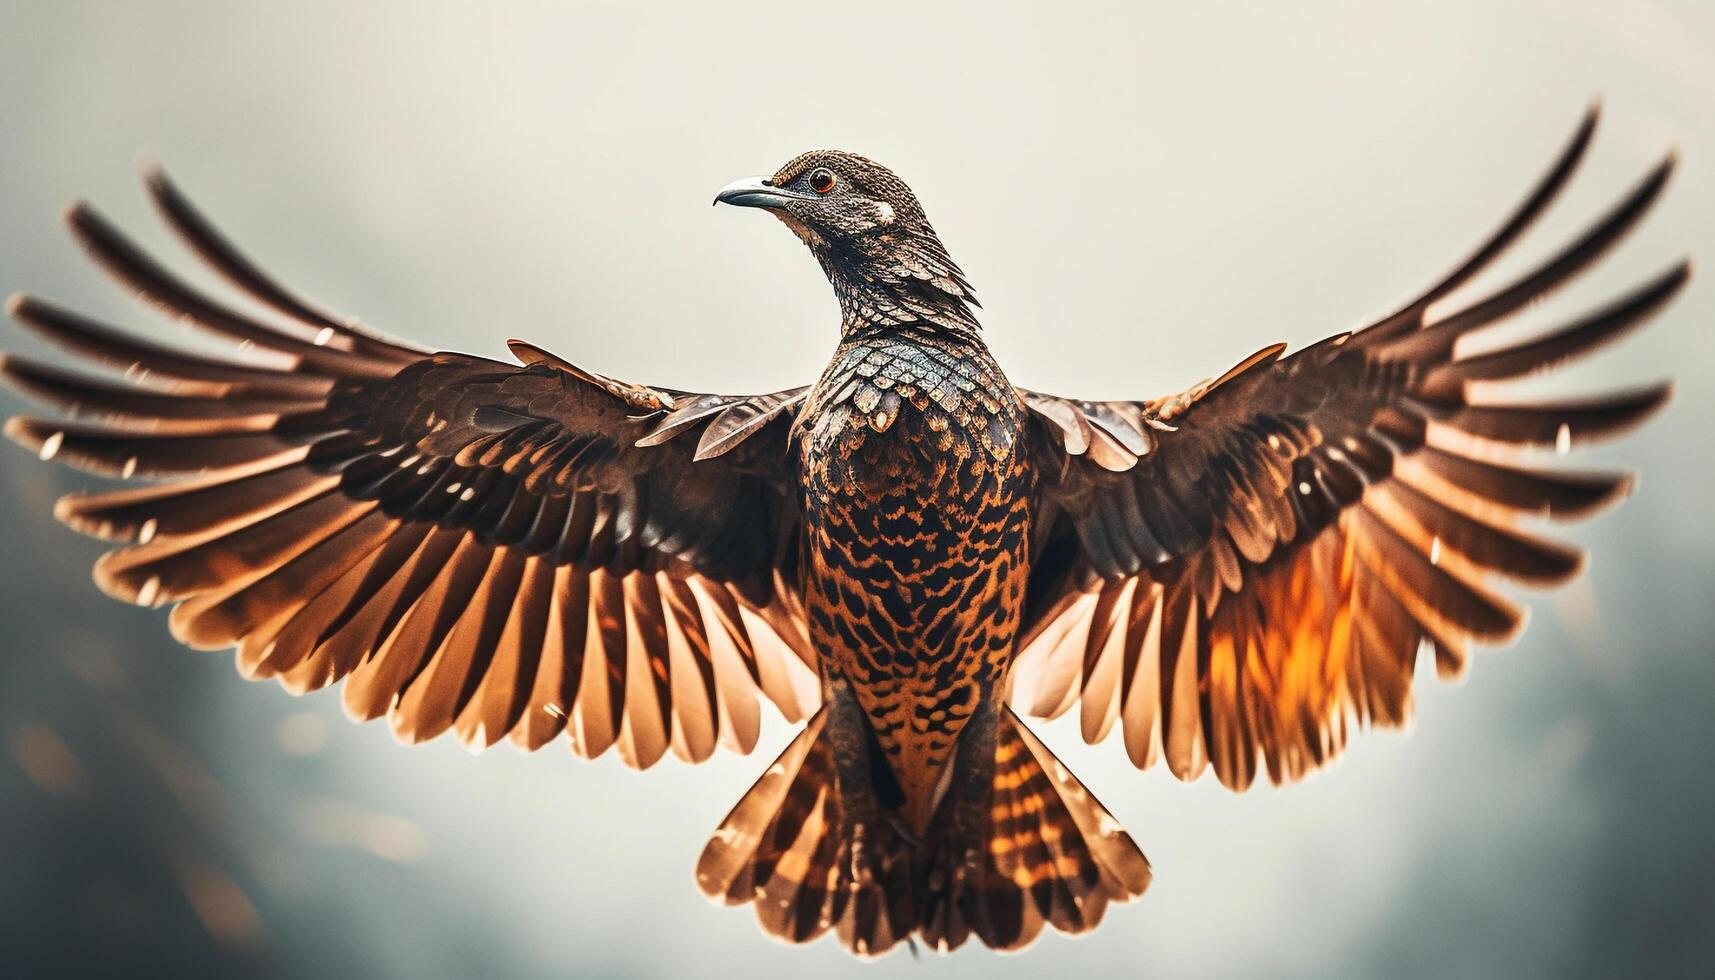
(1246, 571)
(504, 550)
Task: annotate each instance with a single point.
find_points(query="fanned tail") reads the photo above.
(1025, 845)
(785, 848)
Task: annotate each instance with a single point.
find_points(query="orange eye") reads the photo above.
(822, 181)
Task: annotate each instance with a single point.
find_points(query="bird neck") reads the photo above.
(869, 308)
(888, 282)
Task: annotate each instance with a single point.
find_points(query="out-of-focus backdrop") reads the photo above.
(1143, 193)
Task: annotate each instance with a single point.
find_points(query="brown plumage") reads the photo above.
(1236, 576)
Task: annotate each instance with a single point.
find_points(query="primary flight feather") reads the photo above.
(1234, 577)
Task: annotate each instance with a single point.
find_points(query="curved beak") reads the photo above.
(756, 192)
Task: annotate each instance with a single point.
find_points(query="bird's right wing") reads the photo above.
(505, 550)
(1240, 575)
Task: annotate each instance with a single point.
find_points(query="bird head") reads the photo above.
(866, 228)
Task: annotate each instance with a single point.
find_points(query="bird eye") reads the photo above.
(822, 180)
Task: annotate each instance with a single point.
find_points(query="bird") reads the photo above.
(906, 558)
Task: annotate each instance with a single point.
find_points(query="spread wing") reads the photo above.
(1249, 569)
(503, 550)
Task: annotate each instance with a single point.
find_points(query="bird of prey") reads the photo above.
(903, 556)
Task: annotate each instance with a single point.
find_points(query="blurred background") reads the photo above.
(1143, 194)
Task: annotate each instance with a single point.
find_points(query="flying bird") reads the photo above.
(904, 555)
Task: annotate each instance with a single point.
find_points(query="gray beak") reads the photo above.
(756, 192)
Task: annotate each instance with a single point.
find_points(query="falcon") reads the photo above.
(903, 556)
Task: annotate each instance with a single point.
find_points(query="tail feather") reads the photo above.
(784, 848)
(1051, 854)
(1036, 848)
(748, 837)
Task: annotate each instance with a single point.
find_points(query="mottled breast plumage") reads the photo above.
(916, 508)
(953, 383)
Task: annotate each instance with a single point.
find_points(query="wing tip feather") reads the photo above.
(147, 162)
(153, 173)
(1650, 399)
(1604, 500)
(21, 429)
(65, 511)
(77, 215)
